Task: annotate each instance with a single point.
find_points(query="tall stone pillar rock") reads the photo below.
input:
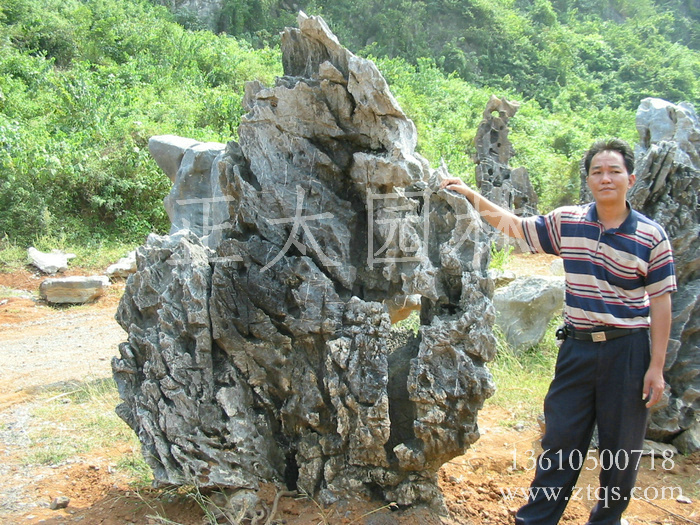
(667, 188)
(265, 353)
(508, 187)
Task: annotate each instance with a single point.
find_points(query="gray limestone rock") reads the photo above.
(168, 151)
(525, 307)
(502, 277)
(123, 267)
(658, 450)
(195, 201)
(688, 441)
(497, 181)
(660, 121)
(51, 262)
(508, 187)
(268, 355)
(666, 190)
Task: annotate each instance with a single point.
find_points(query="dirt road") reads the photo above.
(54, 345)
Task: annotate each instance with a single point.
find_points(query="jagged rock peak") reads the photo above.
(268, 355)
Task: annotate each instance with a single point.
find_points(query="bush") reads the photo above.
(83, 85)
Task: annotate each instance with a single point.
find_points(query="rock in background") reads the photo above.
(50, 263)
(206, 12)
(73, 290)
(525, 308)
(269, 356)
(508, 187)
(667, 188)
(123, 267)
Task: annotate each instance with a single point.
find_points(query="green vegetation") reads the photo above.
(85, 83)
(77, 418)
(562, 53)
(92, 253)
(447, 112)
(500, 257)
(523, 378)
(136, 467)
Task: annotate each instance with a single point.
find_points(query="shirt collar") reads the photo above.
(629, 225)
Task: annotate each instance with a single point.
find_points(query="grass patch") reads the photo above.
(522, 378)
(500, 257)
(98, 256)
(91, 254)
(12, 257)
(137, 468)
(50, 452)
(7, 292)
(76, 418)
(411, 323)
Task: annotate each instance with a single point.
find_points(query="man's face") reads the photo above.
(608, 179)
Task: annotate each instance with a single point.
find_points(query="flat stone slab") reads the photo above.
(73, 290)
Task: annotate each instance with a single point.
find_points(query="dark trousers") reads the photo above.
(594, 383)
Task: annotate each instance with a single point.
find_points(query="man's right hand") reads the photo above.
(501, 219)
(458, 185)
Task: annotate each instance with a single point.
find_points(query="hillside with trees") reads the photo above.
(561, 53)
(85, 83)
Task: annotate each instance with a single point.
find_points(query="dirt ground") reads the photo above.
(42, 345)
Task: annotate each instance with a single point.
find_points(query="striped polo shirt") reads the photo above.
(610, 274)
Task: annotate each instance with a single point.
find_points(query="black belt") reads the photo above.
(595, 335)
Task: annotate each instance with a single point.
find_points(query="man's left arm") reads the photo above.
(660, 330)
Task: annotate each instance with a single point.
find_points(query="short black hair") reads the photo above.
(619, 145)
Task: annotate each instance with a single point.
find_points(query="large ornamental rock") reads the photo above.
(269, 356)
(525, 307)
(667, 189)
(508, 187)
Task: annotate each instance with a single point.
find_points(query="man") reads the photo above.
(619, 279)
